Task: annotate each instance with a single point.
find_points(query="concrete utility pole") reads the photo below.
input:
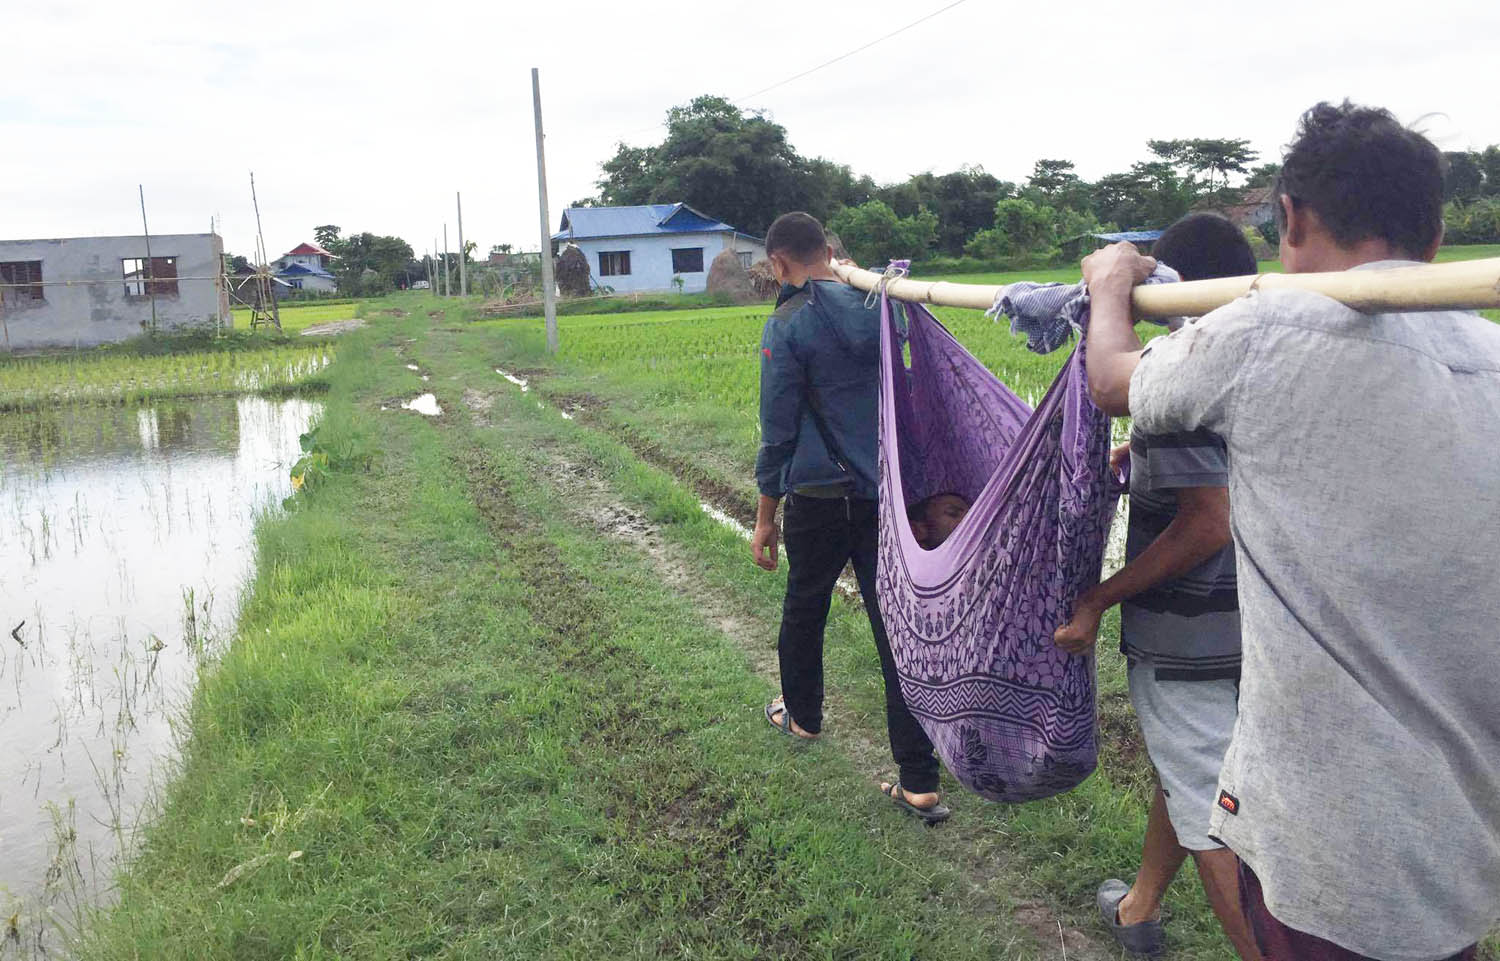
(463, 253)
(549, 286)
(447, 278)
(436, 282)
(150, 287)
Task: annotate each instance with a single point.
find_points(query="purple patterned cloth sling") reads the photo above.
(1011, 715)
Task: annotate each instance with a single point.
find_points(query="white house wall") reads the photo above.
(651, 259)
(312, 282)
(94, 308)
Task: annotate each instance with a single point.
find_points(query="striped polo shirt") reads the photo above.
(1188, 627)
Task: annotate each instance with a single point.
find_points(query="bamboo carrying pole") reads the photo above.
(1458, 285)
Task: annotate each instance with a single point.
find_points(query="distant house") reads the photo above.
(305, 267)
(83, 291)
(245, 289)
(1256, 206)
(643, 248)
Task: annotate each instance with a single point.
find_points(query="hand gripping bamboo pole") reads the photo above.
(1458, 285)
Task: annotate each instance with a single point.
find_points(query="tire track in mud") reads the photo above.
(589, 501)
(591, 410)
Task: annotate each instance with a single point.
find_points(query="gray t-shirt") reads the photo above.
(1189, 626)
(1363, 781)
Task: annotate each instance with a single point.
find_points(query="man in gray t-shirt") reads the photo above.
(1360, 787)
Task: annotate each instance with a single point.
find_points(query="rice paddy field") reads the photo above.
(297, 317)
(129, 377)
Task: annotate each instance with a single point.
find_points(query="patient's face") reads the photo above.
(942, 516)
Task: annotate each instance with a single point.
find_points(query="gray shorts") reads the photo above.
(1187, 726)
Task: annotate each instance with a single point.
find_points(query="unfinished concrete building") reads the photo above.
(84, 291)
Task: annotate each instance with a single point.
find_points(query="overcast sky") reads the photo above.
(370, 115)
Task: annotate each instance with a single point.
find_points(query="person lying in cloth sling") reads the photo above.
(934, 518)
(819, 377)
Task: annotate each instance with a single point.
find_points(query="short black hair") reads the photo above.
(1366, 176)
(1203, 246)
(799, 236)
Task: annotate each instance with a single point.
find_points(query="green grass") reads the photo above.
(1468, 252)
(127, 376)
(297, 317)
(454, 725)
(621, 304)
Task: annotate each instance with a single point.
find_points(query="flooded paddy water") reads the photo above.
(126, 538)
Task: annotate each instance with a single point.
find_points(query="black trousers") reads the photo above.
(821, 535)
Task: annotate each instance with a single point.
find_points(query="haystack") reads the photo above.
(572, 271)
(762, 281)
(726, 275)
(839, 251)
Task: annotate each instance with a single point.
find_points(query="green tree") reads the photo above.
(1022, 227)
(963, 201)
(736, 166)
(1219, 158)
(874, 234)
(1052, 177)
(326, 236)
(371, 264)
(1476, 222)
(1128, 198)
(1264, 176)
(1490, 161)
(1463, 180)
(1170, 151)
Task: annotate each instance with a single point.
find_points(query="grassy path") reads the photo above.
(458, 723)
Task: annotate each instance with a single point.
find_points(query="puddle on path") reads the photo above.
(520, 382)
(423, 404)
(725, 519)
(126, 537)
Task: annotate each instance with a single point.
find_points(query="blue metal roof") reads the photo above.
(1134, 236)
(300, 269)
(583, 223)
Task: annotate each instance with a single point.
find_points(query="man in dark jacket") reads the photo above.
(819, 377)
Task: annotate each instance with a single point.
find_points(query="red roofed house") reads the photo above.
(305, 267)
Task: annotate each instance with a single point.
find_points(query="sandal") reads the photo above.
(778, 705)
(936, 814)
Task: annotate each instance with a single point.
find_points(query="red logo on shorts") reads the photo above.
(766, 351)
(1229, 802)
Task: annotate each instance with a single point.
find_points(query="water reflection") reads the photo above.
(125, 540)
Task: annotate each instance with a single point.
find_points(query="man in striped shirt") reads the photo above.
(1180, 631)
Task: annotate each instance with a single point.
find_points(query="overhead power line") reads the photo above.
(823, 65)
(846, 56)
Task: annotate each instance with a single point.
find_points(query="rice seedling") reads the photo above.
(135, 534)
(33, 382)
